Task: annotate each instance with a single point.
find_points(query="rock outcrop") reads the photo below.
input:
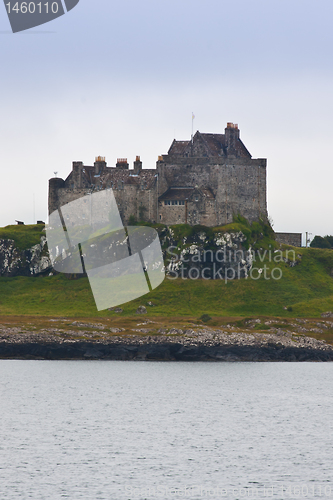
(206, 255)
(30, 262)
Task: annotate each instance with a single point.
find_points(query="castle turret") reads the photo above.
(54, 184)
(137, 165)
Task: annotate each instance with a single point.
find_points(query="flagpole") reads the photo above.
(192, 128)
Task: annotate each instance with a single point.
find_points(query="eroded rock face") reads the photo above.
(31, 262)
(221, 256)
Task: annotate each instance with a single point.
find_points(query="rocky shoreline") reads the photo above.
(97, 341)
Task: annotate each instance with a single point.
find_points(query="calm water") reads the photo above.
(130, 430)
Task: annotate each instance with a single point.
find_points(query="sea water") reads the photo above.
(147, 430)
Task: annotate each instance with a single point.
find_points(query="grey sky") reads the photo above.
(121, 79)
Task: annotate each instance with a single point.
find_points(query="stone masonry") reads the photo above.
(205, 180)
(293, 239)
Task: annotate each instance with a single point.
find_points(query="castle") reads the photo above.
(206, 180)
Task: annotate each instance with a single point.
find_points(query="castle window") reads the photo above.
(181, 202)
(167, 202)
(174, 202)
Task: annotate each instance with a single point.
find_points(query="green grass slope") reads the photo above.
(24, 236)
(304, 290)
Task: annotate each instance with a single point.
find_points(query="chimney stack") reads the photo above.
(231, 138)
(137, 165)
(99, 164)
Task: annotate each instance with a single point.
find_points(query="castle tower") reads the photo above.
(55, 184)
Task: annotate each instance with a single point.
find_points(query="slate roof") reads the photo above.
(215, 145)
(184, 193)
(177, 193)
(178, 147)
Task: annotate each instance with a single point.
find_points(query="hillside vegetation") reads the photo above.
(24, 236)
(303, 286)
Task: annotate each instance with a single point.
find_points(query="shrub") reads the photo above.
(205, 318)
(329, 239)
(320, 242)
(132, 220)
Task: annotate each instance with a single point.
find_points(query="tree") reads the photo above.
(330, 240)
(320, 242)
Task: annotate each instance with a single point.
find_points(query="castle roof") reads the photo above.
(177, 193)
(177, 147)
(211, 145)
(184, 193)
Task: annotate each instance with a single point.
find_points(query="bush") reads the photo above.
(329, 239)
(205, 318)
(132, 220)
(320, 242)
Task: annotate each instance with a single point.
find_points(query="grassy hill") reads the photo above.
(305, 287)
(24, 236)
(305, 290)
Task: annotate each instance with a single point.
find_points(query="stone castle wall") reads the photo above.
(239, 187)
(219, 174)
(293, 239)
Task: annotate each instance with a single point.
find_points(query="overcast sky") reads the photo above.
(120, 79)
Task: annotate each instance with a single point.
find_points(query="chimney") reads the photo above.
(99, 164)
(231, 138)
(137, 165)
(77, 174)
(122, 163)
